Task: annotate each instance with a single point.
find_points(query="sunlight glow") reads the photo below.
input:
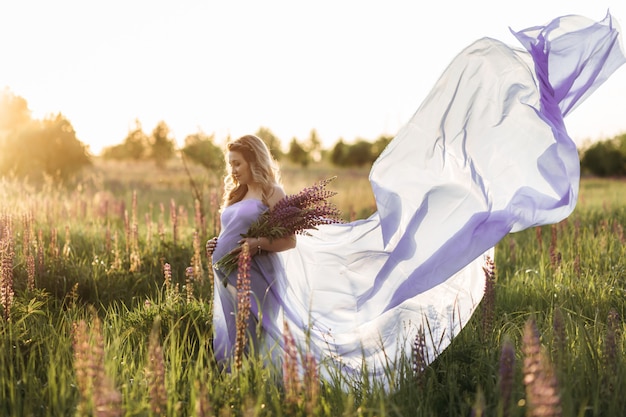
(347, 69)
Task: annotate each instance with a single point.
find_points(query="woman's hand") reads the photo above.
(210, 246)
(254, 245)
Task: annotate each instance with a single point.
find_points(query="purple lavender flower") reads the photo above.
(294, 214)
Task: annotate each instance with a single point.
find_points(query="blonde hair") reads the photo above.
(264, 169)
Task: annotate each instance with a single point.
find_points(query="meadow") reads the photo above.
(106, 310)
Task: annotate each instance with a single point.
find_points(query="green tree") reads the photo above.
(379, 146)
(201, 149)
(136, 143)
(273, 143)
(360, 153)
(44, 148)
(135, 146)
(339, 153)
(14, 113)
(620, 143)
(113, 152)
(162, 146)
(297, 154)
(313, 146)
(604, 159)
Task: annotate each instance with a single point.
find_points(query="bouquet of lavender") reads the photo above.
(294, 214)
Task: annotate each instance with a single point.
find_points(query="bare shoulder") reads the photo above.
(275, 195)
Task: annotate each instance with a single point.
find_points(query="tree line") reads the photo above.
(203, 149)
(606, 158)
(49, 148)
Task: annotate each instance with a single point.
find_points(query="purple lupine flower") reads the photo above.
(291, 381)
(542, 390)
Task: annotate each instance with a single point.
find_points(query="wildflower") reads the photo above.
(30, 270)
(555, 256)
(7, 256)
(148, 219)
(311, 383)
(67, 250)
(294, 214)
(173, 221)
(210, 274)
(167, 276)
(72, 297)
(419, 356)
(54, 250)
(27, 221)
(196, 260)
(488, 304)
(199, 217)
(155, 373)
(478, 409)
(40, 255)
(558, 328)
(214, 204)
(97, 392)
(611, 354)
(291, 381)
(203, 407)
(542, 392)
(135, 258)
(161, 223)
(611, 337)
(117, 260)
(127, 231)
(243, 304)
(506, 376)
(189, 275)
(134, 208)
(82, 368)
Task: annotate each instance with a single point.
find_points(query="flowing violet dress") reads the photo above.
(267, 281)
(487, 153)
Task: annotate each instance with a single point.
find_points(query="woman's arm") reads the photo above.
(263, 244)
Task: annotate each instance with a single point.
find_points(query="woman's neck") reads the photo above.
(254, 191)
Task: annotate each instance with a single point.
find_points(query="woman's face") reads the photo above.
(239, 168)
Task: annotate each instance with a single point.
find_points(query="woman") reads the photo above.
(251, 186)
(487, 153)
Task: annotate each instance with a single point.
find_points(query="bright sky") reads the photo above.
(346, 68)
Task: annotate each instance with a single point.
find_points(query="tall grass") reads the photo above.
(108, 312)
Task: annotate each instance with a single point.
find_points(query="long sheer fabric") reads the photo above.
(486, 154)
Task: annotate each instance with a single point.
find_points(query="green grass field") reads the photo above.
(91, 324)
